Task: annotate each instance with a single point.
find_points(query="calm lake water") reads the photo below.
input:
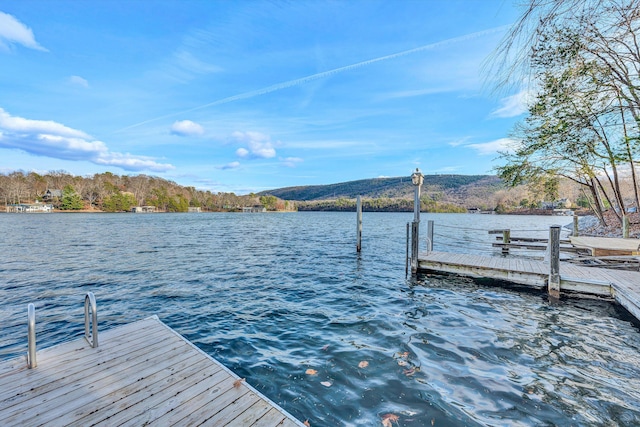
(273, 295)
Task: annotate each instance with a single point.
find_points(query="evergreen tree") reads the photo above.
(70, 199)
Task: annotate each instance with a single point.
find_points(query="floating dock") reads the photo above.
(622, 286)
(143, 373)
(607, 246)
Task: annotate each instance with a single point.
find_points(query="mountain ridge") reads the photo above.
(450, 187)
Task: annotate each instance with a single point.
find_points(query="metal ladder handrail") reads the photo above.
(31, 336)
(92, 339)
(90, 302)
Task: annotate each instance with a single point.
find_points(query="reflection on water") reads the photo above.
(273, 296)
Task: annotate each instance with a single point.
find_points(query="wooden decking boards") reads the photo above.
(623, 286)
(604, 246)
(142, 373)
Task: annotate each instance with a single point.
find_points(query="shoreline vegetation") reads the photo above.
(108, 192)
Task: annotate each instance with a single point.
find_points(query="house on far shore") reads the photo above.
(29, 208)
(143, 209)
(254, 209)
(195, 209)
(49, 195)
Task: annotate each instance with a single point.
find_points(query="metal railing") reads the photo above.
(31, 335)
(90, 302)
(92, 338)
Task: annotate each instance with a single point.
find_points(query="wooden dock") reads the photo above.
(623, 286)
(143, 373)
(607, 246)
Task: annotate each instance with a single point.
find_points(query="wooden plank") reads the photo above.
(59, 354)
(192, 411)
(603, 246)
(163, 380)
(85, 391)
(271, 418)
(44, 383)
(159, 404)
(233, 407)
(126, 397)
(253, 413)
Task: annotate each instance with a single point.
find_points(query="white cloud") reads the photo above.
(242, 152)
(131, 162)
(232, 165)
(514, 105)
(493, 147)
(18, 124)
(291, 162)
(51, 139)
(186, 128)
(458, 142)
(258, 145)
(13, 32)
(79, 81)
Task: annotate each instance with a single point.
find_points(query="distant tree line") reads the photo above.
(114, 193)
(379, 204)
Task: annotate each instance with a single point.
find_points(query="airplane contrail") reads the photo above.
(303, 80)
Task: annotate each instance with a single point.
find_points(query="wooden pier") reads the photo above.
(143, 373)
(623, 286)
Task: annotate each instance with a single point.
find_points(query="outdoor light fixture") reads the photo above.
(417, 178)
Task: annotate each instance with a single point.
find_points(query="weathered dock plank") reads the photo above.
(623, 286)
(142, 373)
(603, 246)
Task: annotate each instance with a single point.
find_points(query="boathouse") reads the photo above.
(143, 209)
(254, 209)
(29, 208)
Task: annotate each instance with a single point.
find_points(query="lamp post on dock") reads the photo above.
(416, 179)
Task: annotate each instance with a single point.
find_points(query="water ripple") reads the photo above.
(335, 337)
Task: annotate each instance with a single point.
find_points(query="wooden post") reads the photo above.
(506, 239)
(625, 226)
(430, 235)
(406, 259)
(416, 179)
(415, 226)
(554, 261)
(575, 225)
(359, 226)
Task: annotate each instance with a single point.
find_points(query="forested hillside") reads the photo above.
(440, 193)
(114, 193)
(399, 187)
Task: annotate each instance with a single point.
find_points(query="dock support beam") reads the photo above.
(359, 226)
(554, 261)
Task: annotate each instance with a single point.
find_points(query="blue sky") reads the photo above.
(245, 96)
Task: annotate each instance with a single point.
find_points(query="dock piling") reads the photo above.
(506, 239)
(416, 179)
(406, 259)
(554, 261)
(625, 226)
(575, 226)
(359, 225)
